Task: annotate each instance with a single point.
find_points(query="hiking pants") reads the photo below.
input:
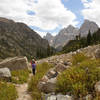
(33, 70)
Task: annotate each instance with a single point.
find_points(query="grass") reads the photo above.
(32, 86)
(79, 80)
(78, 58)
(20, 76)
(7, 91)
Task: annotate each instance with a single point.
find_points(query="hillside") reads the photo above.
(70, 76)
(17, 39)
(81, 42)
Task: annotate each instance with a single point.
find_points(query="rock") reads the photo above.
(89, 97)
(45, 78)
(15, 63)
(57, 97)
(49, 86)
(60, 68)
(5, 74)
(97, 53)
(64, 97)
(52, 97)
(97, 87)
(52, 74)
(65, 63)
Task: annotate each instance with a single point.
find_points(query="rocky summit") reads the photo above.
(17, 39)
(70, 33)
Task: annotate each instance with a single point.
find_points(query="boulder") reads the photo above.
(60, 68)
(5, 74)
(64, 97)
(45, 79)
(49, 86)
(97, 53)
(15, 63)
(57, 97)
(52, 97)
(89, 97)
(52, 74)
(97, 87)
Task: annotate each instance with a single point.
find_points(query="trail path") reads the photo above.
(23, 94)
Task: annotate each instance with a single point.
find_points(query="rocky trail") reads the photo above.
(23, 94)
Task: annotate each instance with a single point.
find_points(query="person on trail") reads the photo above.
(33, 66)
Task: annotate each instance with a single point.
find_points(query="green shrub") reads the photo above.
(7, 91)
(32, 86)
(78, 58)
(79, 80)
(20, 76)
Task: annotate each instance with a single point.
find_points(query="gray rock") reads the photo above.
(64, 97)
(45, 78)
(97, 87)
(97, 53)
(15, 63)
(5, 74)
(57, 97)
(52, 97)
(60, 68)
(89, 97)
(49, 86)
(52, 74)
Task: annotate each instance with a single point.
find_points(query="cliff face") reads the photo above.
(50, 38)
(70, 33)
(64, 36)
(88, 26)
(17, 39)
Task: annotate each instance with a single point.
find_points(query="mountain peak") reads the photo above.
(5, 20)
(88, 26)
(70, 26)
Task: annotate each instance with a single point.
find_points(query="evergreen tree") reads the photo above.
(89, 38)
(48, 51)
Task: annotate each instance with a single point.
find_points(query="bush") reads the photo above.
(78, 58)
(7, 91)
(32, 86)
(20, 76)
(79, 80)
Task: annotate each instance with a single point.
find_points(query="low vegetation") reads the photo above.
(78, 58)
(7, 91)
(41, 71)
(20, 76)
(81, 42)
(79, 80)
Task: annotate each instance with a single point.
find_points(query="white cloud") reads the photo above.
(48, 14)
(41, 33)
(92, 10)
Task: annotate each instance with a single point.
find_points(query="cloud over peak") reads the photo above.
(91, 10)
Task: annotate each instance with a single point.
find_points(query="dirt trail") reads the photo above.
(22, 91)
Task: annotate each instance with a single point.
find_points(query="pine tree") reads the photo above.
(89, 38)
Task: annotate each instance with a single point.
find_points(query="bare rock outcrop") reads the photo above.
(15, 63)
(61, 63)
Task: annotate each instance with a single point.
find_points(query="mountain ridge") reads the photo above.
(17, 39)
(70, 33)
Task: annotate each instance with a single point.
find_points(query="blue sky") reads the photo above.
(75, 6)
(50, 15)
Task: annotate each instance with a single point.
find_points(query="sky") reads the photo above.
(50, 15)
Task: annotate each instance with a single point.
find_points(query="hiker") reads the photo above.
(33, 66)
